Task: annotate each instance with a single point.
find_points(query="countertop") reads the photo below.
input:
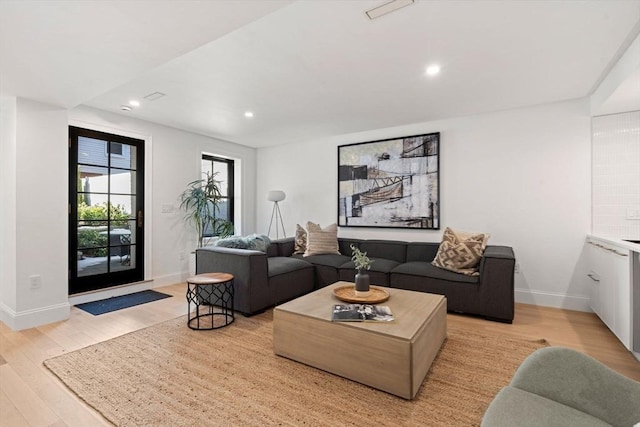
(617, 242)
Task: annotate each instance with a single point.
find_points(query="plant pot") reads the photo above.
(362, 284)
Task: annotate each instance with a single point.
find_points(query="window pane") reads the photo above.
(92, 151)
(120, 248)
(115, 148)
(126, 160)
(96, 210)
(223, 211)
(124, 231)
(93, 179)
(223, 170)
(123, 181)
(123, 208)
(90, 265)
(92, 236)
(123, 258)
(207, 168)
(222, 175)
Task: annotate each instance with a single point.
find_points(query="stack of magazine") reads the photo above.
(361, 313)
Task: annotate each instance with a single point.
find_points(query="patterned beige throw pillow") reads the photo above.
(300, 241)
(322, 240)
(461, 252)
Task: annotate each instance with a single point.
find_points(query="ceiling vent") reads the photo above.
(155, 95)
(388, 7)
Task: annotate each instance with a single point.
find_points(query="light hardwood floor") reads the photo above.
(31, 396)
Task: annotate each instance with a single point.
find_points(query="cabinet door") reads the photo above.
(602, 289)
(607, 288)
(610, 275)
(621, 276)
(594, 277)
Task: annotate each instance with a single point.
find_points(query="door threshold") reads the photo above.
(113, 291)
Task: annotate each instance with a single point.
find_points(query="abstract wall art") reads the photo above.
(390, 183)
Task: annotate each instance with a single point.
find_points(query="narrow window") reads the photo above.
(222, 169)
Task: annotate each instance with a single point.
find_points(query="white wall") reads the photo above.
(38, 217)
(8, 109)
(34, 184)
(619, 91)
(522, 175)
(176, 161)
(616, 175)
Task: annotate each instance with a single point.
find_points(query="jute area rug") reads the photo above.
(169, 375)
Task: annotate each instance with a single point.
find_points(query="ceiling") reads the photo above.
(309, 69)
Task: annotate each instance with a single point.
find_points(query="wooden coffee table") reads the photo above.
(390, 356)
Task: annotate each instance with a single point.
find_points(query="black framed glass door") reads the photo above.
(106, 210)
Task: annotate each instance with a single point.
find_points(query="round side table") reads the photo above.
(206, 291)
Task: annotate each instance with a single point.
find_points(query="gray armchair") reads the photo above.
(557, 386)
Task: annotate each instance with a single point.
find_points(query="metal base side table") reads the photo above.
(207, 291)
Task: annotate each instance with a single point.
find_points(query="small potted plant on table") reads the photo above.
(362, 264)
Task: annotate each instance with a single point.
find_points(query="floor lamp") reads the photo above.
(276, 196)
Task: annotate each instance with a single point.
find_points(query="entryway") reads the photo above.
(106, 210)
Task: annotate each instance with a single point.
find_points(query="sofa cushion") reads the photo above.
(515, 407)
(377, 264)
(321, 240)
(385, 249)
(284, 265)
(426, 269)
(256, 242)
(461, 252)
(379, 273)
(421, 251)
(284, 247)
(273, 250)
(344, 245)
(329, 260)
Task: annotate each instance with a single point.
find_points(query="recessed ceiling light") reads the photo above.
(248, 114)
(134, 103)
(125, 108)
(432, 70)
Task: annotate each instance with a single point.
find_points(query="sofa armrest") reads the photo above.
(285, 246)
(250, 272)
(497, 269)
(505, 252)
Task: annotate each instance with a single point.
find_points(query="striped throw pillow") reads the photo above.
(322, 240)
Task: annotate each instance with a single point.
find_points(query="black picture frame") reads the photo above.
(390, 183)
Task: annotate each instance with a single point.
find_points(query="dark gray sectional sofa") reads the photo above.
(263, 280)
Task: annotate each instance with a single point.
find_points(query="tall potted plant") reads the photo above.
(201, 200)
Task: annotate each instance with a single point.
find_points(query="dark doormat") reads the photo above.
(118, 303)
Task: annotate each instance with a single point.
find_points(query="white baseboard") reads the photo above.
(26, 319)
(552, 299)
(170, 279)
(32, 318)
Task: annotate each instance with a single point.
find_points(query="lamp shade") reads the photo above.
(275, 196)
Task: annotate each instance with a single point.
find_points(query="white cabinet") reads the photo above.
(610, 276)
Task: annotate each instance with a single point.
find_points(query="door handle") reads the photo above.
(140, 216)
